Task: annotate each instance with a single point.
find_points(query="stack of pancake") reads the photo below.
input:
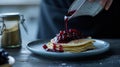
(69, 41)
(78, 45)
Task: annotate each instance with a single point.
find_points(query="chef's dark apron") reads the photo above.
(51, 20)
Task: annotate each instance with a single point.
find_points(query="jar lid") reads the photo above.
(10, 16)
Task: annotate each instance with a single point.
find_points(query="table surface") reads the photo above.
(24, 58)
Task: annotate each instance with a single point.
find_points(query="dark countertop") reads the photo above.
(111, 58)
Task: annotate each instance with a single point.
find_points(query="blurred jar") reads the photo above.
(10, 30)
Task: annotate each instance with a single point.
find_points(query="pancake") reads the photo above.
(79, 45)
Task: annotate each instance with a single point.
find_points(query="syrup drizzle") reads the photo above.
(66, 18)
(54, 47)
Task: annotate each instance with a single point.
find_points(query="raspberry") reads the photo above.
(45, 47)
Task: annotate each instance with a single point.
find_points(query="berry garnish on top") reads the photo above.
(66, 36)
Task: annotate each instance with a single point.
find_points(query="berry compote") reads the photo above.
(66, 36)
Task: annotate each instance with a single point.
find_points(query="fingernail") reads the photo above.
(106, 8)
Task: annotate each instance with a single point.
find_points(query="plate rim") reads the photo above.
(66, 54)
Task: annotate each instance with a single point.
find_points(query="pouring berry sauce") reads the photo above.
(64, 36)
(66, 18)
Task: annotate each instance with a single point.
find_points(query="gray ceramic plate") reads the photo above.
(36, 48)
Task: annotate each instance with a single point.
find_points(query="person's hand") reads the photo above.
(105, 3)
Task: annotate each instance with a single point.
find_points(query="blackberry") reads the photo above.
(3, 56)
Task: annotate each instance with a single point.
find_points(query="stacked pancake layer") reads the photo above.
(78, 45)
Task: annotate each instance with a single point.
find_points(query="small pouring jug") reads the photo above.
(10, 29)
(84, 7)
